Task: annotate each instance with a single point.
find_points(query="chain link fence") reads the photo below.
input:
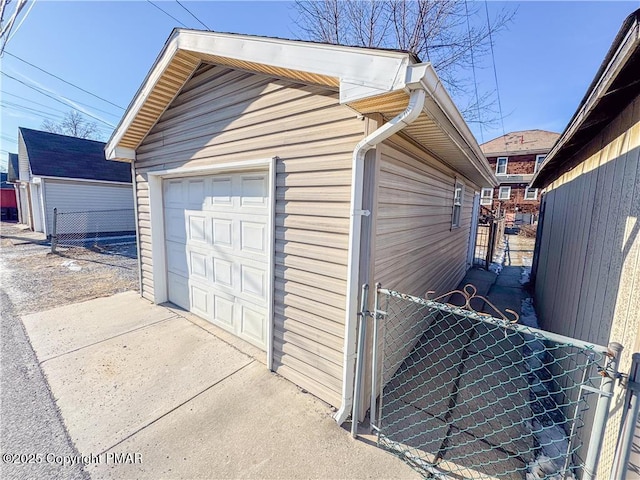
(92, 227)
(458, 394)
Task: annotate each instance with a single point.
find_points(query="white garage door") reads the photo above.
(216, 230)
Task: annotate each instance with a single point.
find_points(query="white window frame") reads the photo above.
(502, 197)
(486, 199)
(506, 162)
(539, 160)
(458, 200)
(527, 190)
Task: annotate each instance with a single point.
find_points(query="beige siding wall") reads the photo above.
(588, 275)
(416, 249)
(223, 116)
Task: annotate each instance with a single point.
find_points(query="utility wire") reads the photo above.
(54, 98)
(495, 72)
(190, 13)
(63, 80)
(31, 101)
(167, 13)
(24, 17)
(473, 68)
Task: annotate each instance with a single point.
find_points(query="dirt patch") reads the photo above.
(38, 280)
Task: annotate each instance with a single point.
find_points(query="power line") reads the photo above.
(32, 101)
(63, 80)
(24, 17)
(166, 13)
(54, 98)
(190, 13)
(495, 71)
(93, 107)
(473, 68)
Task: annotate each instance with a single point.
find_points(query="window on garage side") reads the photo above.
(486, 197)
(457, 204)
(504, 193)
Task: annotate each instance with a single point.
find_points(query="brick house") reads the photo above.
(515, 157)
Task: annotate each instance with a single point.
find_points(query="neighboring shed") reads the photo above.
(20, 192)
(70, 174)
(274, 177)
(8, 204)
(587, 261)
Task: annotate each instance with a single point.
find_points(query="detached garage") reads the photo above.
(72, 175)
(274, 177)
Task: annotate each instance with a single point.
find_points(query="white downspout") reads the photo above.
(415, 106)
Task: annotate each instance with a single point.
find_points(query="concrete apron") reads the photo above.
(131, 377)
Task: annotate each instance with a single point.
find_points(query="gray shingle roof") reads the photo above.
(56, 155)
(12, 170)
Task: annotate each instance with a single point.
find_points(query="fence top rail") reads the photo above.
(535, 332)
(98, 211)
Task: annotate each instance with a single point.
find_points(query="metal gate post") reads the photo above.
(362, 334)
(602, 412)
(54, 231)
(374, 361)
(629, 419)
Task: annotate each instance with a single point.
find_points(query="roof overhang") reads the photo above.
(615, 85)
(368, 80)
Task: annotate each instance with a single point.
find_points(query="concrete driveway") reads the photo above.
(152, 392)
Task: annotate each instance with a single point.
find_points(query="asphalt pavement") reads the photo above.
(33, 439)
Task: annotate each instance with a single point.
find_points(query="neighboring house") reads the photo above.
(8, 205)
(70, 174)
(514, 158)
(274, 177)
(587, 262)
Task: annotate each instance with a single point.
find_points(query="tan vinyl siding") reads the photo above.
(588, 274)
(223, 116)
(415, 247)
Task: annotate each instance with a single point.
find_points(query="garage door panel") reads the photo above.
(177, 259)
(223, 309)
(197, 227)
(222, 232)
(201, 300)
(253, 190)
(221, 192)
(195, 191)
(253, 237)
(178, 287)
(252, 324)
(174, 225)
(173, 194)
(199, 266)
(253, 283)
(217, 250)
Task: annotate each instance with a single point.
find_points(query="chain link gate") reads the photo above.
(461, 394)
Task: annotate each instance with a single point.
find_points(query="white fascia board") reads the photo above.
(442, 109)
(84, 180)
(380, 70)
(120, 154)
(362, 72)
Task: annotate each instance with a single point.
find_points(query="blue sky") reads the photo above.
(544, 61)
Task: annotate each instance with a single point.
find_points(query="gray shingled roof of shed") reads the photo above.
(53, 155)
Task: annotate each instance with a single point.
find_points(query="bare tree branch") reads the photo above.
(73, 124)
(436, 31)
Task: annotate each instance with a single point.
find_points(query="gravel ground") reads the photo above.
(38, 280)
(31, 280)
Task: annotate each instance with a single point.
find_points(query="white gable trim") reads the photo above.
(362, 72)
